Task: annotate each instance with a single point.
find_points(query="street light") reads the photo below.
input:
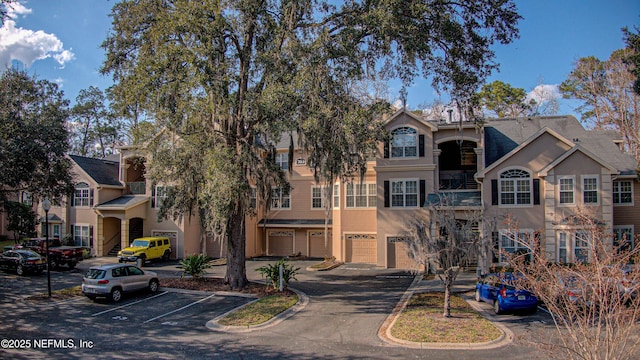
(46, 205)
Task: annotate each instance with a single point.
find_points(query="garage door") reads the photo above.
(397, 255)
(280, 243)
(317, 244)
(361, 248)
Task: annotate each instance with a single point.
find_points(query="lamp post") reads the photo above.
(46, 205)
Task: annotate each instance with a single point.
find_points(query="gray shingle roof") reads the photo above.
(104, 172)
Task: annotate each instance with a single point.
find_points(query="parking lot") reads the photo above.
(346, 308)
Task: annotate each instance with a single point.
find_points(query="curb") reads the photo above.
(384, 332)
(303, 300)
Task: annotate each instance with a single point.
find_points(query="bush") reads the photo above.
(271, 273)
(195, 265)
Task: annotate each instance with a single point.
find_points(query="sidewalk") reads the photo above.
(466, 281)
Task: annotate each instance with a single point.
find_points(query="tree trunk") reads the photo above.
(236, 268)
(447, 295)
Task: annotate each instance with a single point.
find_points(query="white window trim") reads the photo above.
(570, 235)
(625, 227)
(391, 206)
(517, 244)
(82, 188)
(573, 179)
(75, 233)
(280, 200)
(283, 163)
(157, 199)
(417, 134)
(598, 194)
(335, 196)
(501, 180)
(368, 186)
(613, 191)
(313, 187)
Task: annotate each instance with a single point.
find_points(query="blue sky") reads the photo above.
(59, 40)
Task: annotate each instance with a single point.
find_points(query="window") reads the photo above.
(515, 187)
(280, 199)
(56, 230)
(404, 193)
(81, 195)
(26, 198)
(361, 195)
(573, 246)
(590, 189)
(404, 142)
(82, 235)
(336, 196)
(623, 192)
(562, 247)
(253, 198)
(511, 242)
(623, 237)
(317, 197)
(581, 248)
(566, 190)
(282, 159)
(160, 195)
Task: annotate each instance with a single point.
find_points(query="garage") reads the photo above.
(361, 248)
(317, 246)
(397, 255)
(280, 243)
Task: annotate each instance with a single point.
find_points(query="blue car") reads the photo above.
(498, 290)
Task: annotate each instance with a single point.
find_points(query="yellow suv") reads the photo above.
(145, 249)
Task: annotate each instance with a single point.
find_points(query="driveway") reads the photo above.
(347, 305)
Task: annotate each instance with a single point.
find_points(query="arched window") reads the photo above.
(81, 194)
(515, 187)
(404, 142)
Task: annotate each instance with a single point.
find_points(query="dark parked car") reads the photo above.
(112, 280)
(22, 261)
(499, 291)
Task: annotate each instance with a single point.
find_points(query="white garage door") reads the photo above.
(361, 248)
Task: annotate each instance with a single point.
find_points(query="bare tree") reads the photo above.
(449, 238)
(593, 301)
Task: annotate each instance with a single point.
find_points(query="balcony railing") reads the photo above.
(457, 180)
(137, 187)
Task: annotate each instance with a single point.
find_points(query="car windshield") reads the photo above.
(95, 274)
(140, 243)
(28, 254)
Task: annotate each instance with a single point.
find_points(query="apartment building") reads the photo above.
(538, 170)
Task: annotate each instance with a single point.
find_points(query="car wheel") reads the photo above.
(19, 270)
(153, 285)
(166, 255)
(116, 294)
(478, 295)
(496, 307)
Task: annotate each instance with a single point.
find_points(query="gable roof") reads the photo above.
(575, 149)
(402, 111)
(102, 171)
(506, 134)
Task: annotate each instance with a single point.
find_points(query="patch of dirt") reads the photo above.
(217, 284)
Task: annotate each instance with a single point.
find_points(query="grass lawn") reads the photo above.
(260, 311)
(422, 321)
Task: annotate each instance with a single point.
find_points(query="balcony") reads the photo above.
(137, 188)
(457, 180)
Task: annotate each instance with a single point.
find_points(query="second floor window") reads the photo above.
(515, 187)
(404, 193)
(81, 195)
(566, 190)
(404, 142)
(160, 195)
(26, 198)
(590, 190)
(282, 159)
(280, 199)
(361, 195)
(623, 192)
(317, 197)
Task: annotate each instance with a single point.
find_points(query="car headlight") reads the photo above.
(120, 253)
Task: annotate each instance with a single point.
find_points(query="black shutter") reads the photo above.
(386, 193)
(73, 198)
(421, 145)
(495, 237)
(90, 197)
(536, 191)
(73, 239)
(494, 192)
(91, 236)
(423, 192)
(386, 149)
(153, 196)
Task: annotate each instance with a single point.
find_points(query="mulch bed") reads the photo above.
(217, 284)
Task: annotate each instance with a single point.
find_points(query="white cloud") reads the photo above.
(26, 45)
(544, 93)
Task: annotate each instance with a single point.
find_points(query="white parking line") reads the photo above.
(182, 308)
(129, 304)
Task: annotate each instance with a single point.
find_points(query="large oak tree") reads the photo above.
(231, 77)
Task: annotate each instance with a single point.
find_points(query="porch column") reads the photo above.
(124, 233)
(99, 245)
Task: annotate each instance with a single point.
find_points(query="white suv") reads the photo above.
(112, 280)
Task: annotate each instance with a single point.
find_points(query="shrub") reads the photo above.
(195, 265)
(271, 273)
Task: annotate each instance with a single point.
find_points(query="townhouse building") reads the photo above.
(539, 170)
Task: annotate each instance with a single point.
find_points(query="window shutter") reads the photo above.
(386, 193)
(421, 145)
(73, 198)
(90, 197)
(91, 236)
(494, 192)
(153, 196)
(495, 237)
(71, 231)
(386, 149)
(423, 192)
(536, 191)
